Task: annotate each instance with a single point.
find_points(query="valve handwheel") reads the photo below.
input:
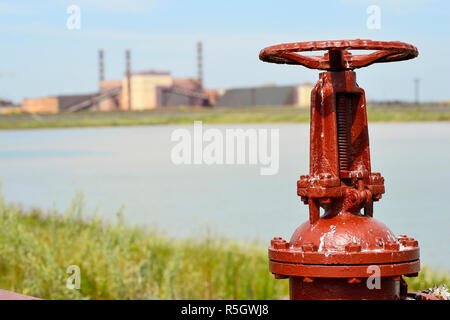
(338, 58)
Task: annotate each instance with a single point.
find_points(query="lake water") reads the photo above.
(131, 167)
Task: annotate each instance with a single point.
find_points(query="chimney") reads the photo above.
(128, 74)
(200, 64)
(101, 66)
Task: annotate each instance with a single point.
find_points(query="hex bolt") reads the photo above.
(275, 241)
(391, 245)
(411, 242)
(280, 244)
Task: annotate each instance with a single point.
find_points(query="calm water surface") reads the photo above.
(131, 167)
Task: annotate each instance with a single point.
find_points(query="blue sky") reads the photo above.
(41, 56)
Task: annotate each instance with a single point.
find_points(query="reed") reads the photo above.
(120, 261)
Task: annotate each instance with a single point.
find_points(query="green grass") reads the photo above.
(118, 261)
(185, 115)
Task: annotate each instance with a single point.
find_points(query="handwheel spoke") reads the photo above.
(312, 62)
(364, 60)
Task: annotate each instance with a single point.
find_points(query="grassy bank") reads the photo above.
(211, 115)
(124, 262)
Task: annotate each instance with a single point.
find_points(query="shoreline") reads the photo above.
(183, 115)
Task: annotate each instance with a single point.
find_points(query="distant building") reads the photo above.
(145, 89)
(184, 92)
(269, 95)
(7, 107)
(213, 95)
(443, 102)
(113, 100)
(149, 90)
(53, 104)
(5, 103)
(304, 95)
(155, 89)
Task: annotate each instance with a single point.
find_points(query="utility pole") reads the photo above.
(128, 75)
(416, 90)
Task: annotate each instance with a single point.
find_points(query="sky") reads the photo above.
(41, 56)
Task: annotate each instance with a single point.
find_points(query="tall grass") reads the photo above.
(118, 261)
(124, 262)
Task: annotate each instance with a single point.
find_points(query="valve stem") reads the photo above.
(342, 132)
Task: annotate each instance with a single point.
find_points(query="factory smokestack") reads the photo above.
(128, 75)
(101, 66)
(200, 64)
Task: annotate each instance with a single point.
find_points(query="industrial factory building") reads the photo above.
(270, 95)
(153, 89)
(149, 90)
(135, 91)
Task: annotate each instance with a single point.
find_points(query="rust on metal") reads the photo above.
(335, 252)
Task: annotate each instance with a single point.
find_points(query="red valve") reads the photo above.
(336, 252)
(338, 58)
